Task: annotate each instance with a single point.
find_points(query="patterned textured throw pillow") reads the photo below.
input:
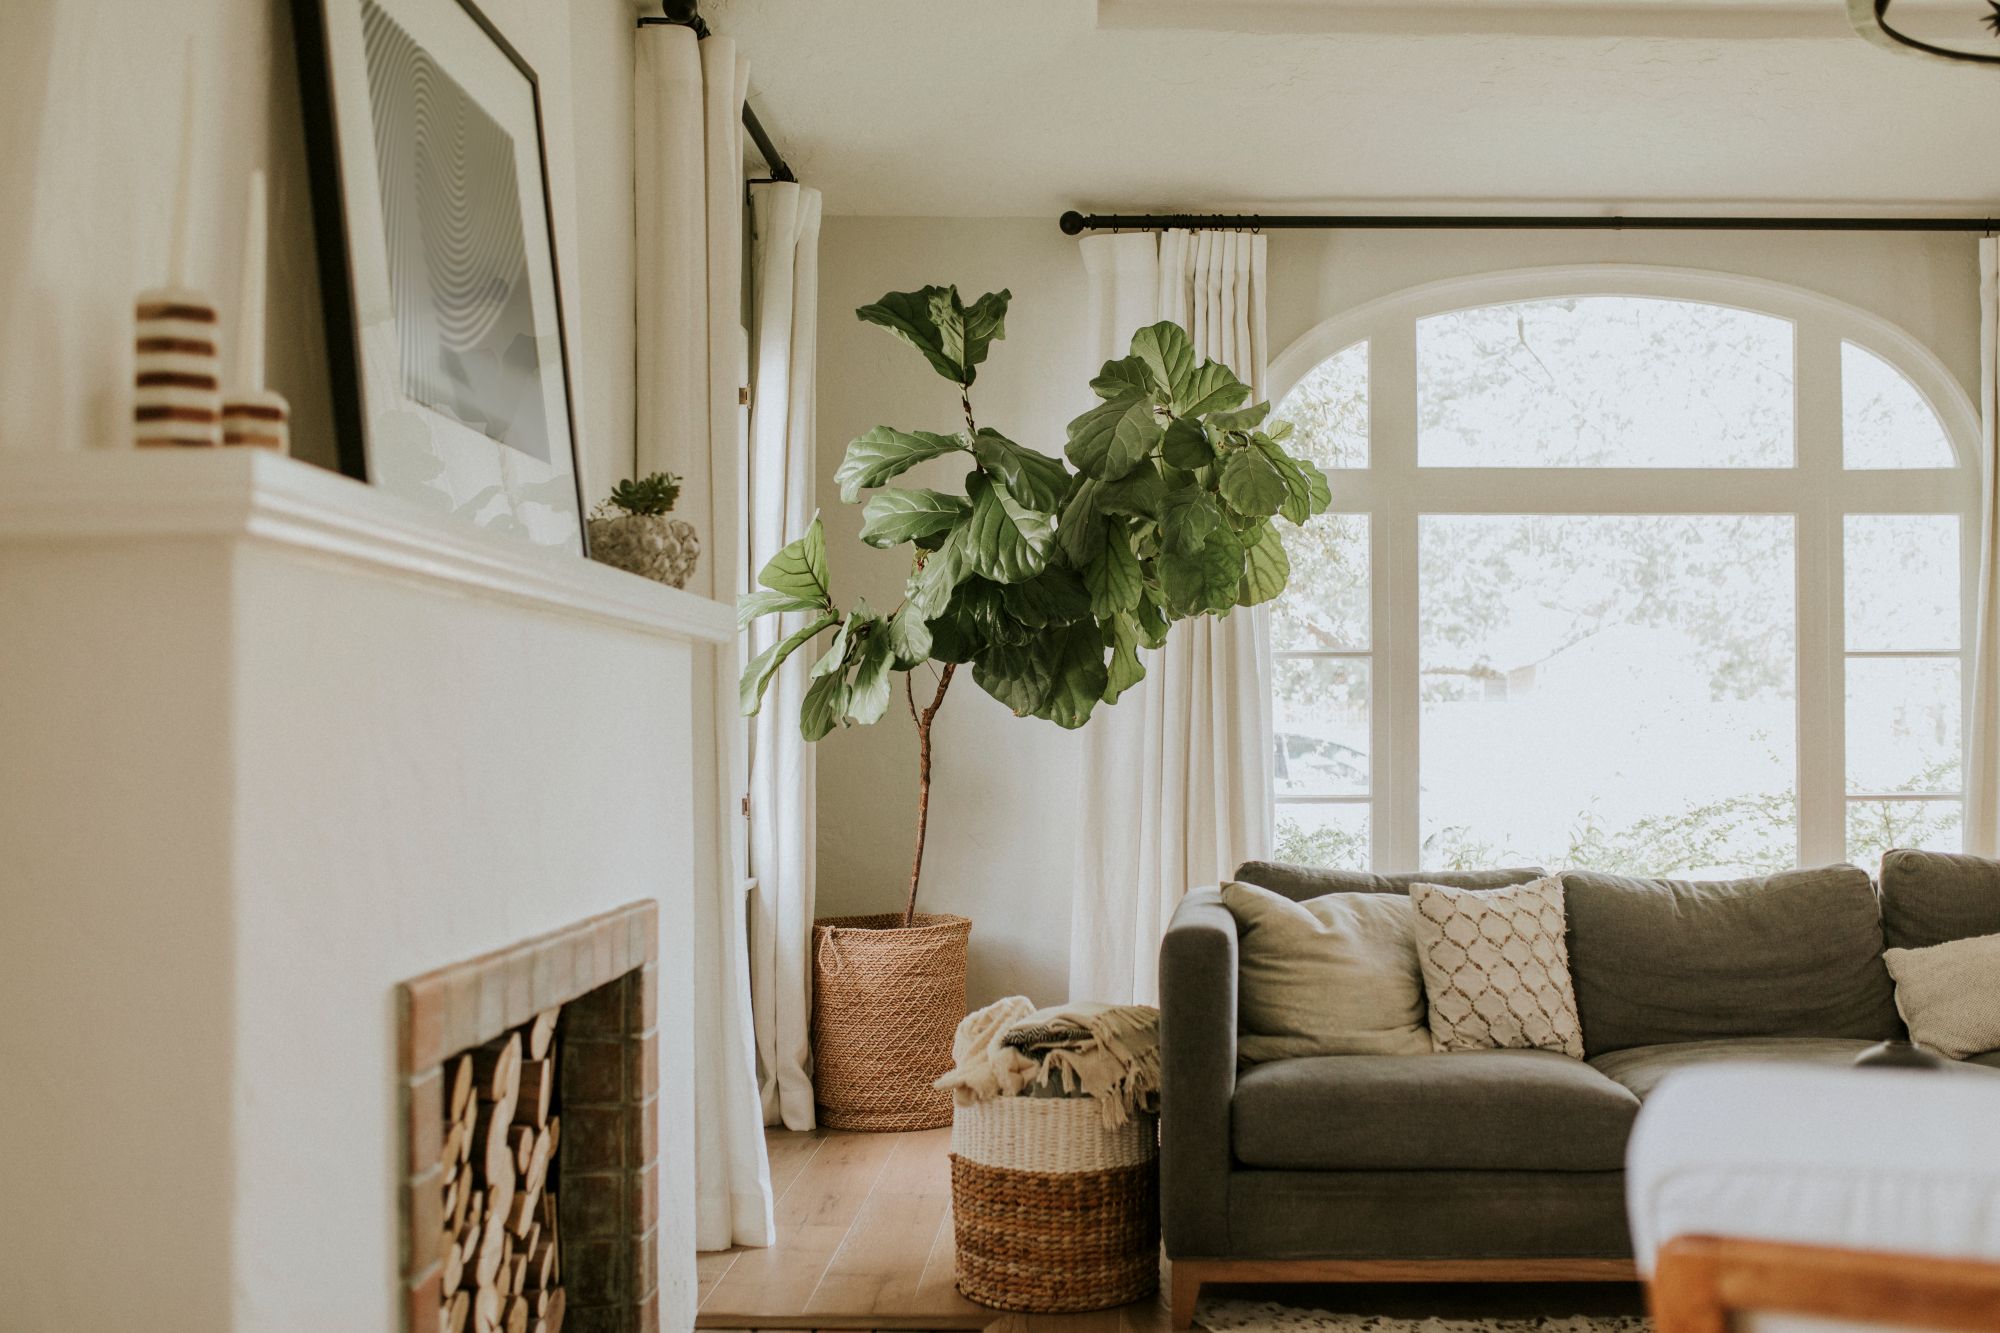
(1496, 967)
(1949, 994)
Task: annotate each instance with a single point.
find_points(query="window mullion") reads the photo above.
(1393, 452)
(1822, 713)
(1822, 765)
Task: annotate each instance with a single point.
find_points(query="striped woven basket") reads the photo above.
(1051, 1210)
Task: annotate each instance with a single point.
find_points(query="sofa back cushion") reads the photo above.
(1334, 975)
(1299, 882)
(1931, 898)
(1796, 954)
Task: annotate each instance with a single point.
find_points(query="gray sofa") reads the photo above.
(1509, 1165)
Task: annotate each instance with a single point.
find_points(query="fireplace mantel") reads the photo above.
(276, 742)
(250, 495)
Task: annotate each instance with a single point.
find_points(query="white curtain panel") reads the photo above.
(1982, 785)
(688, 178)
(1176, 779)
(784, 287)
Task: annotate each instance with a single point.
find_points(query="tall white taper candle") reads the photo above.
(177, 371)
(251, 414)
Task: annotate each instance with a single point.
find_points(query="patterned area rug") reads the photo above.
(1232, 1316)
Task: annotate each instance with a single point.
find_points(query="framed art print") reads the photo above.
(438, 263)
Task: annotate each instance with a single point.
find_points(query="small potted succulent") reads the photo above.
(632, 530)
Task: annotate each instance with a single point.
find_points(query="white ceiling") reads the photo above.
(1028, 107)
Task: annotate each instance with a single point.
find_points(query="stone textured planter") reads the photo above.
(654, 546)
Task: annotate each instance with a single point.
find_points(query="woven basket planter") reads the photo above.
(886, 1001)
(1051, 1211)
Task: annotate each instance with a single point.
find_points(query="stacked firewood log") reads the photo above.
(502, 1262)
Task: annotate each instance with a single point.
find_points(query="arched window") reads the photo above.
(1635, 569)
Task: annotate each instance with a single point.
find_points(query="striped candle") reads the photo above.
(257, 418)
(178, 381)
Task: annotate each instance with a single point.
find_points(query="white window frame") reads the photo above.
(1818, 492)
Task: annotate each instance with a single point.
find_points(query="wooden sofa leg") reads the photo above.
(1186, 1290)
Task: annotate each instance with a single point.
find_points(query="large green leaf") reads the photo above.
(868, 698)
(757, 676)
(909, 636)
(884, 453)
(838, 651)
(1125, 375)
(1033, 478)
(985, 323)
(1167, 352)
(1186, 444)
(1318, 487)
(930, 588)
(1192, 389)
(954, 638)
(1152, 622)
(824, 707)
(800, 569)
(1209, 387)
(1247, 418)
(1186, 518)
(1004, 541)
(1080, 531)
(1113, 579)
(908, 316)
(1251, 485)
(1297, 507)
(1265, 568)
(1017, 675)
(1125, 670)
(753, 604)
(1140, 493)
(1075, 660)
(1207, 580)
(1056, 596)
(1109, 440)
(894, 516)
(981, 605)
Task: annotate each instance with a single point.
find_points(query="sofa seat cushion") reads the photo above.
(1641, 1068)
(1474, 1110)
(1795, 954)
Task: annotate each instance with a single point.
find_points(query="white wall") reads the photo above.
(90, 98)
(1004, 803)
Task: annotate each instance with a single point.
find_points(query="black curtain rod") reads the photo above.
(686, 14)
(1074, 223)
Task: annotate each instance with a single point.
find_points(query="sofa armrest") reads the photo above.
(1197, 1074)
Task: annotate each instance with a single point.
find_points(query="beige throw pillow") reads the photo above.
(1496, 967)
(1335, 975)
(1949, 994)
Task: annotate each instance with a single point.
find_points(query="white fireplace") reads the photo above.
(273, 743)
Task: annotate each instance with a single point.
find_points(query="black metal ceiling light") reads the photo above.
(1871, 20)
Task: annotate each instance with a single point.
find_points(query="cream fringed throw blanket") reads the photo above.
(1110, 1053)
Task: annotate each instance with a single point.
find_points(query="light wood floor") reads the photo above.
(864, 1242)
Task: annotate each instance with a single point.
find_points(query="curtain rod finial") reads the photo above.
(1071, 223)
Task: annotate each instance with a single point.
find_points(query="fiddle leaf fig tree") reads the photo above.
(1045, 577)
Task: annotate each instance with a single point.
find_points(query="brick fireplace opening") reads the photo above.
(530, 1080)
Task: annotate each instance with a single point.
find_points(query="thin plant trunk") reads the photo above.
(923, 720)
